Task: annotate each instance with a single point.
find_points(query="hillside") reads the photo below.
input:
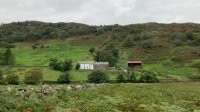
(167, 48)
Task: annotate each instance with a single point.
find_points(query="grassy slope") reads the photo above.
(25, 55)
(162, 97)
(76, 48)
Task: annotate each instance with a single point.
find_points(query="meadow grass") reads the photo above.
(171, 70)
(141, 97)
(25, 55)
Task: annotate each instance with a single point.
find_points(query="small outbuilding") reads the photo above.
(134, 64)
(101, 65)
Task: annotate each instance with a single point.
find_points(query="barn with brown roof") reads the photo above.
(134, 64)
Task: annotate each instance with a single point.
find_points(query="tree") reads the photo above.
(92, 49)
(77, 66)
(33, 77)
(129, 42)
(64, 78)
(105, 56)
(148, 77)
(146, 35)
(55, 64)
(67, 65)
(97, 77)
(121, 77)
(115, 52)
(1, 77)
(113, 36)
(189, 35)
(8, 58)
(12, 79)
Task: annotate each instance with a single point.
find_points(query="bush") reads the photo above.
(55, 64)
(1, 77)
(12, 79)
(59, 65)
(129, 42)
(97, 77)
(92, 49)
(34, 46)
(64, 78)
(77, 66)
(8, 57)
(148, 44)
(189, 35)
(175, 35)
(148, 77)
(146, 35)
(121, 77)
(177, 42)
(131, 77)
(67, 65)
(33, 77)
(105, 56)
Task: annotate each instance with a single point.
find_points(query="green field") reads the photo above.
(61, 49)
(160, 97)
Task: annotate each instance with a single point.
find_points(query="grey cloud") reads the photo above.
(100, 11)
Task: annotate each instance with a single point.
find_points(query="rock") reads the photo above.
(69, 88)
(78, 87)
(9, 89)
(27, 110)
(73, 110)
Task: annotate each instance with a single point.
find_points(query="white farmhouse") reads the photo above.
(91, 65)
(86, 65)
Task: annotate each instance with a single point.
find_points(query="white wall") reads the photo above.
(87, 66)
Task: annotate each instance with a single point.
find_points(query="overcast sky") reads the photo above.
(95, 12)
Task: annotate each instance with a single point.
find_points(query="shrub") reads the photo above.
(55, 64)
(129, 42)
(42, 46)
(105, 56)
(77, 66)
(148, 44)
(189, 35)
(115, 52)
(97, 77)
(148, 77)
(33, 77)
(12, 79)
(67, 65)
(64, 78)
(131, 77)
(34, 46)
(92, 49)
(8, 57)
(1, 77)
(146, 35)
(175, 35)
(177, 42)
(113, 36)
(121, 77)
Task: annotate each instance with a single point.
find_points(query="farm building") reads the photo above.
(91, 65)
(134, 64)
(101, 65)
(87, 65)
